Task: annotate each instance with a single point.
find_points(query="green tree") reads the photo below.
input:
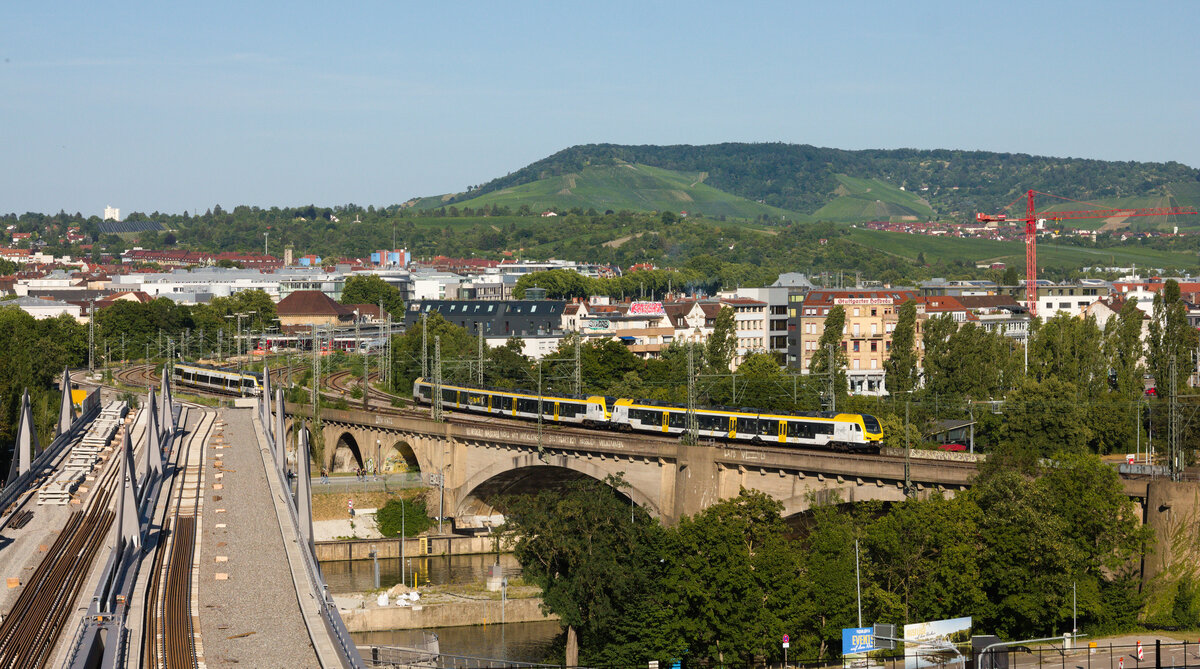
(1072, 350)
(901, 364)
(762, 384)
(1042, 418)
(409, 515)
(1123, 349)
(829, 602)
(830, 357)
(371, 289)
(736, 586)
(594, 563)
(1029, 569)
(924, 563)
(938, 365)
(406, 351)
(1169, 337)
(1010, 277)
(721, 346)
(1104, 529)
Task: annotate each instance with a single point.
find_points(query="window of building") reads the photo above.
(874, 311)
(874, 346)
(856, 346)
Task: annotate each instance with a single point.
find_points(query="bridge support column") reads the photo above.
(696, 485)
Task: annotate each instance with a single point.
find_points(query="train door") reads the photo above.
(783, 431)
(733, 427)
(556, 411)
(666, 415)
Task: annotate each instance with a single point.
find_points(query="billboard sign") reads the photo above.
(935, 642)
(857, 640)
(864, 301)
(647, 308)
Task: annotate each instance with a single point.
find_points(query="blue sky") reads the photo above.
(172, 108)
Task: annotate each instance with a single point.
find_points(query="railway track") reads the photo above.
(31, 629)
(381, 402)
(169, 636)
(345, 382)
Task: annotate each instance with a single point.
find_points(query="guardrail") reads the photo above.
(347, 650)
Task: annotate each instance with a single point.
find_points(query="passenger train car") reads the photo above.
(217, 380)
(834, 431)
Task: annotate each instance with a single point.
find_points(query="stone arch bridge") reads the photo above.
(482, 458)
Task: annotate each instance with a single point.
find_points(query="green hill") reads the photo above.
(620, 186)
(872, 200)
(818, 182)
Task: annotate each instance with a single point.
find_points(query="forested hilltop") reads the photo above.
(804, 178)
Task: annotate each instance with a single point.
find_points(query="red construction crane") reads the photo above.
(1031, 220)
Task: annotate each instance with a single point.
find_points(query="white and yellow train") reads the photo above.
(217, 380)
(833, 431)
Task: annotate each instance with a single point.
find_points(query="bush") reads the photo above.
(1183, 608)
(416, 518)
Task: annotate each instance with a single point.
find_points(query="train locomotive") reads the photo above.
(847, 432)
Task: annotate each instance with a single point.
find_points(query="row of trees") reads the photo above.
(34, 353)
(724, 585)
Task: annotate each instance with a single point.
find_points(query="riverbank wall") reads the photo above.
(373, 618)
(360, 549)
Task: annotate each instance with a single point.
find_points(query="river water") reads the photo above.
(520, 642)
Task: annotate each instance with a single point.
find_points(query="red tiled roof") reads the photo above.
(311, 303)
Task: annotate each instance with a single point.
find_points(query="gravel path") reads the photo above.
(251, 618)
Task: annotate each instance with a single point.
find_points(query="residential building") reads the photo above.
(871, 317)
(750, 321)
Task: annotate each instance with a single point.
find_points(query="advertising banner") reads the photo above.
(857, 640)
(935, 642)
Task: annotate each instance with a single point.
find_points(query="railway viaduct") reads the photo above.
(482, 458)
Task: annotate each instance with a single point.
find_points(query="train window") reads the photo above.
(527, 405)
(766, 426)
(824, 428)
(570, 410)
(678, 419)
(715, 423)
(871, 423)
(802, 430)
(505, 403)
(449, 395)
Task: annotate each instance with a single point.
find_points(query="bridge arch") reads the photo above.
(400, 457)
(532, 475)
(347, 455)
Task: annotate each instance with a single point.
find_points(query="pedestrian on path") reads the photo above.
(324, 476)
(350, 505)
